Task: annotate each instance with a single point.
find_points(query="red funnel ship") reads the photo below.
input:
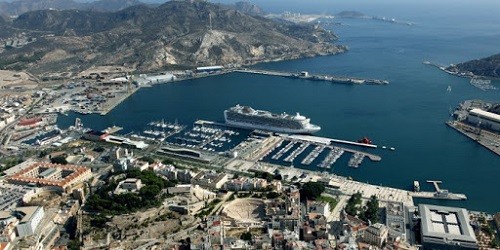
(365, 140)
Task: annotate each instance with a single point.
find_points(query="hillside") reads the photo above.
(147, 38)
(19, 7)
(486, 67)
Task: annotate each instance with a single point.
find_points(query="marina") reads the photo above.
(312, 155)
(356, 160)
(296, 152)
(331, 158)
(304, 153)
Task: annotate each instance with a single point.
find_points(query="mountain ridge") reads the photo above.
(147, 38)
(19, 7)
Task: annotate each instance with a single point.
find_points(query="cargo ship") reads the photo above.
(249, 118)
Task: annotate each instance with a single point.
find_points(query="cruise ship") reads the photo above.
(249, 118)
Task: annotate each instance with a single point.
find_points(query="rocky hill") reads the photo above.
(249, 8)
(177, 33)
(19, 7)
(486, 67)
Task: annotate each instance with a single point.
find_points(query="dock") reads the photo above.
(327, 141)
(112, 130)
(441, 194)
(314, 77)
(324, 140)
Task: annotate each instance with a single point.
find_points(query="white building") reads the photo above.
(485, 119)
(129, 185)
(376, 234)
(30, 217)
(322, 208)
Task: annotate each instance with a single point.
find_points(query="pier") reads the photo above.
(314, 77)
(324, 140)
(441, 194)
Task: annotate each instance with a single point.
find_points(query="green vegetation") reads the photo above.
(487, 67)
(372, 210)
(60, 159)
(105, 203)
(268, 176)
(9, 162)
(368, 213)
(74, 245)
(147, 159)
(272, 195)
(495, 243)
(99, 149)
(353, 204)
(246, 236)
(311, 190)
(20, 61)
(207, 210)
(331, 201)
(488, 229)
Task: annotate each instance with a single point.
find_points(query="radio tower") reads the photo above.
(209, 21)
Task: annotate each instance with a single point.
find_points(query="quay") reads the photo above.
(485, 138)
(314, 77)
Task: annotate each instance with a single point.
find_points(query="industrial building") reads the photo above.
(446, 228)
(484, 119)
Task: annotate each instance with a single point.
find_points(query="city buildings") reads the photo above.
(210, 180)
(59, 177)
(376, 234)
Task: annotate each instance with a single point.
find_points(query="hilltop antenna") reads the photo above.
(210, 21)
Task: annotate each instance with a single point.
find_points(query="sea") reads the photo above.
(409, 114)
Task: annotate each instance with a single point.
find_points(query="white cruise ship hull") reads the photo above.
(252, 126)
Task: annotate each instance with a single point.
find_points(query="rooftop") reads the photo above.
(449, 223)
(485, 114)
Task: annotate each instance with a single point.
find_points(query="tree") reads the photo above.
(353, 203)
(272, 195)
(311, 190)
(147, 159)
(60, 159)
(372, 210)
(246, 236)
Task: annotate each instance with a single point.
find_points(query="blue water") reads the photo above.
(408, 114)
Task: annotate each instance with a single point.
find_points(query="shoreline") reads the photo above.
(460, 73)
